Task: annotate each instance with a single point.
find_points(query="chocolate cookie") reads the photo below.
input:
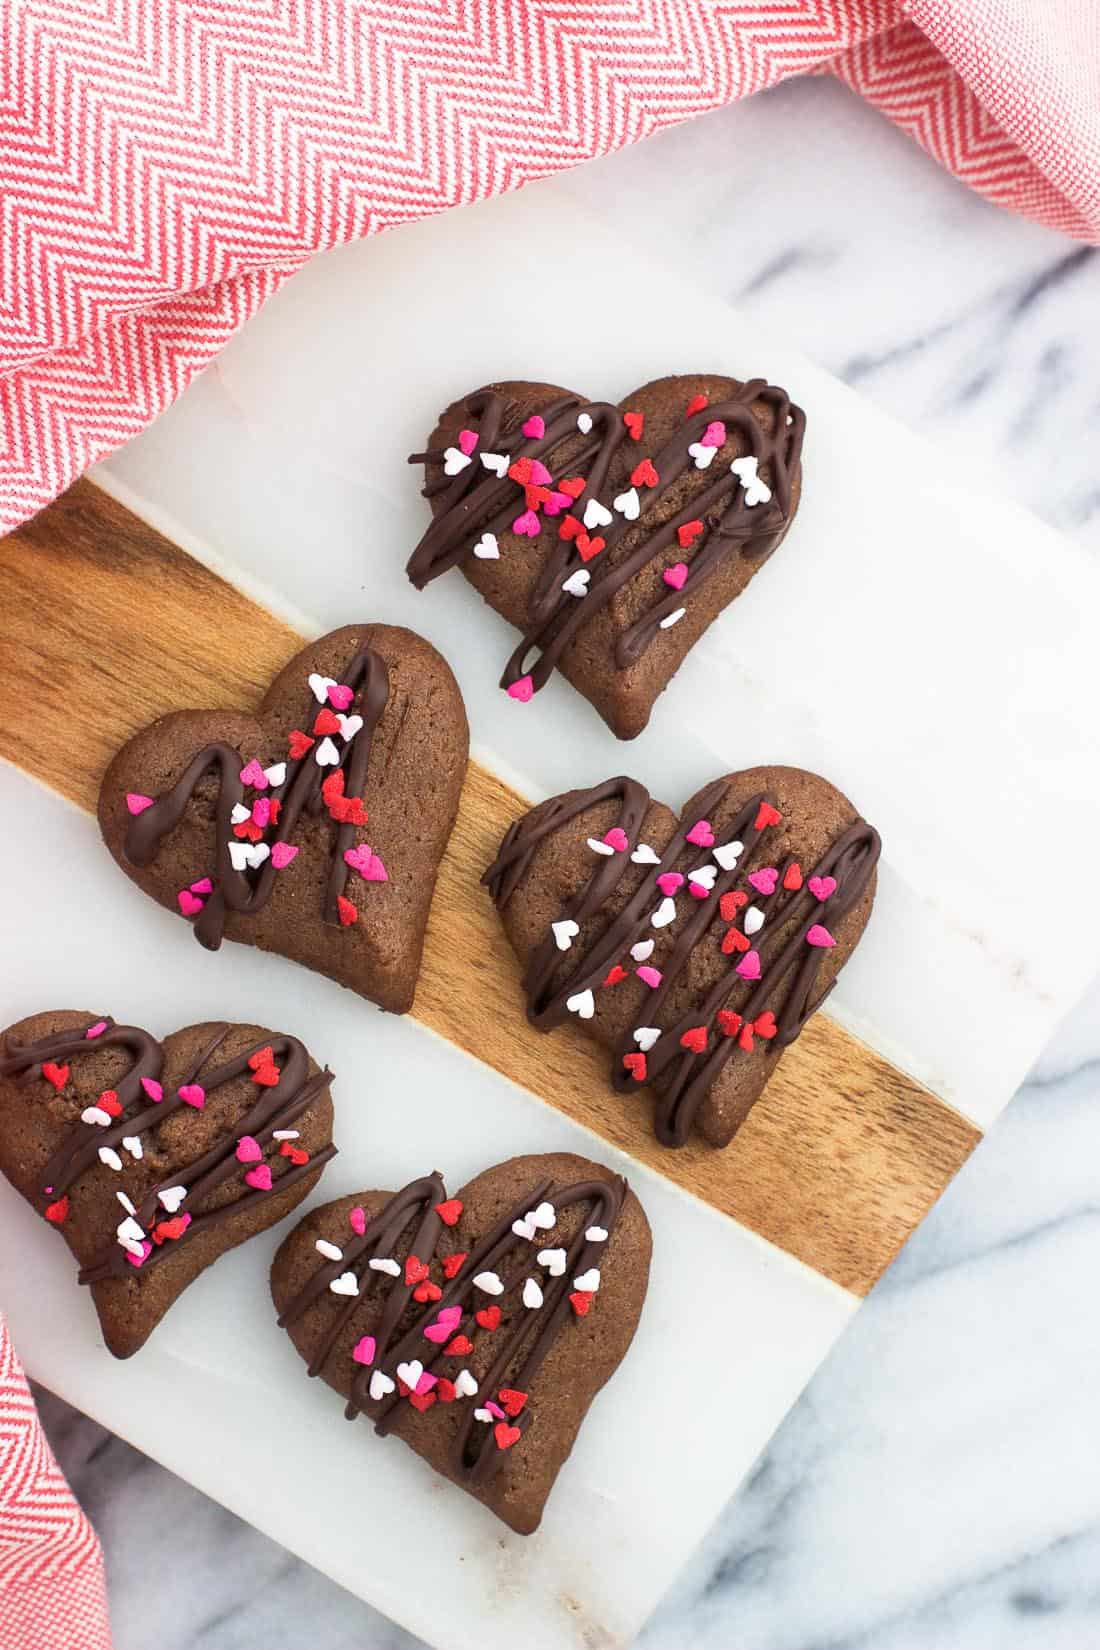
(695, 949)
(314, 829)
(612, 536)
(478, 1327)
(153, 1158)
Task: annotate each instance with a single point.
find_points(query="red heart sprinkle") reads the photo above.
(449, 1211)
(248, 831)
(427, 1291)
(295, 1153)
(635, 423)
(580, 1302)
(520, 471)
(505, 1435)
(422, 1400)
(326, 722)
(615, 975)
(573, 485)
(568, 527)
(745, 1039)
(267, 1076)
(298, 743)
(766, 815)
(57, 1211)
(765, 1025)
(110, 1103)
(168, 1230)
(688, 532)
(536, 497)
(644, 475)
(729, 1023)
(57, 1075)
(589, 547)
(734, 940)
(452, 1264)
(792, 876)
(489, 1317)
(415, 1269)
(511, 1401)
(695, 1039)
(460, 1347)
(445, 1390)
(262, 1057)
(635, 1065)
(731, 903)
(347, 912)
(696, 404)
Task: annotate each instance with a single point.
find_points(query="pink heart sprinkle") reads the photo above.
(676, 576)
(146, 1251)
(188, 904)
(260, 1177)
(261, 812)
(357, 1220)
(540, 475)
(438, 1332)
(527, 525)
(714, 435)
(495, 1409)
(203, 886)
(137, 803)
(192, 1094)
(557, 502)
(152, 1089)
(521, 690)
(749, 966)
(467, 441)
(252, 774)
(650, 976)
(819, 936)
(281, 855)
(822, 887)
(764, 881)
(358, 858)
(616, 838)
(375, 871)
(535, 427)
(340, 696)
(248, 1149)
(97, 1030)
(364, 1349)
(701, 834)
(669, 881)
(426, 1382)
(698, 890)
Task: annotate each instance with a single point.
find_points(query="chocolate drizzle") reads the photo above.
(789, 965)
(476, 501)
(520, 1345)
(275, 1107)
(247, 891)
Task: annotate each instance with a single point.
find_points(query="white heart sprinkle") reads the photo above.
(319, 686)
(524, 1228)
(133, 1248)
(454, 460)
(390, 1267)
(465, 1385)
(553, 1260)
(497, 462)
(484, 1415)
(728, 854)
(582, 1003)
(673, 618)
(629, 504)
(544, 1216)
(410, 1373)
(599, 847)
(596, 1234)
(646, 1036)
(597, 514)
(584, 422)
(577, 583)
(242, 854)
(488, 1283)
(126, 1204)
(565, 932)
(284, 1134)
(532, 1295)
(275, 775)
(643, 950)
(754, 919)
(645, 855)
(702, 455)
(589, 1281)
(171, 1197)
(95, 1114)
(129, 1231)
(487, 548)
(329, 1250)
(132, 1144)
(349, 726)
(756, 491)
(664, 914)
(380, 1385)
(326, 755)
(240, 813)
(110, 1158)
(705, 875)
(346, 1284)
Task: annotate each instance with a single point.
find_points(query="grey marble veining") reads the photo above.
(937, 1486)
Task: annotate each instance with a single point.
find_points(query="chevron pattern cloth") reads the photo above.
(52, 1595)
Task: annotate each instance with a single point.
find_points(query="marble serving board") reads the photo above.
(924, 647)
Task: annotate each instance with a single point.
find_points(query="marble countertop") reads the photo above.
(935, 1488)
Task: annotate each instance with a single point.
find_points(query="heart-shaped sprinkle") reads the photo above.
(346, 1284)
(326, 755)
(96, 1030)
(749, 966)
(465, 1384)
(733, 940)
(822, 887)
(764, 1025)
(487, 548)
(754, 920)
(128, 1231)
(687, 533)
(755, 490)
(589, 547)
(628, 504)
(577, 583)
(444, 1326)
(170, 1197)
(819, 936)
(110, 1158)
(664, 914)
(488, 1318)
(553, 1260)
(702, 455)
(714, 435)
(676, 576)
(731, 902)
(349, 726)
(645, 855)
(521, 690)
(136, 803)
(452, 1264)
(55, 1074)
(96, 1115)
(496, 462)
(189, 903)
(385, 1264)
(582, 1003)
(635, 1064)
(346, 911)
(728, 854)
(597, 514)
(764, 880)
(249, 1149)
(331, 1251)
(364, 1349)
(635, 423)
(281, 854)
(556, 502)
(650, 976)
(259, 1178)
(298, 744)
(506, 1435)
(380, 1385)
(357, 1220)
(319, 686)
(132, 1143)
(596, 1234)
(643, 950)
(669, 881)
(792, 877)
(192, 1094)
(488, 1283)
(766, 815)
(454, 461)
(565, 932)
(588, 1281)
(544, 1216)
(276, 774)
(580, 1302)
(704, 875)
(729, 1023)
(110, 1103)
(646, 1036)
(534, 427)
(57, 1211)
(700, 834)
(252, 774)
(467, 441)
(203, 886)
(532, 1295)
(449, 1211)
(460, 1347)
(694, 1039)
(616, 839)
(584, 422)
(527, 525)
(415, 1269)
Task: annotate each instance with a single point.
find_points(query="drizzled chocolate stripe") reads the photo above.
(247, 891)
(520, 1350)
(789, 966)
(476, 501)
(274, 1108)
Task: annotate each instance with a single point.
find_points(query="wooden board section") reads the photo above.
(105, 625)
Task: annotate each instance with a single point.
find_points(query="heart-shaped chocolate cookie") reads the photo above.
(152, 1159)
(314, 829)
(696, 949)
(477, 1327)
(611, 536)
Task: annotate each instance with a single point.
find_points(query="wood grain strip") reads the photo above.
(106, 625)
